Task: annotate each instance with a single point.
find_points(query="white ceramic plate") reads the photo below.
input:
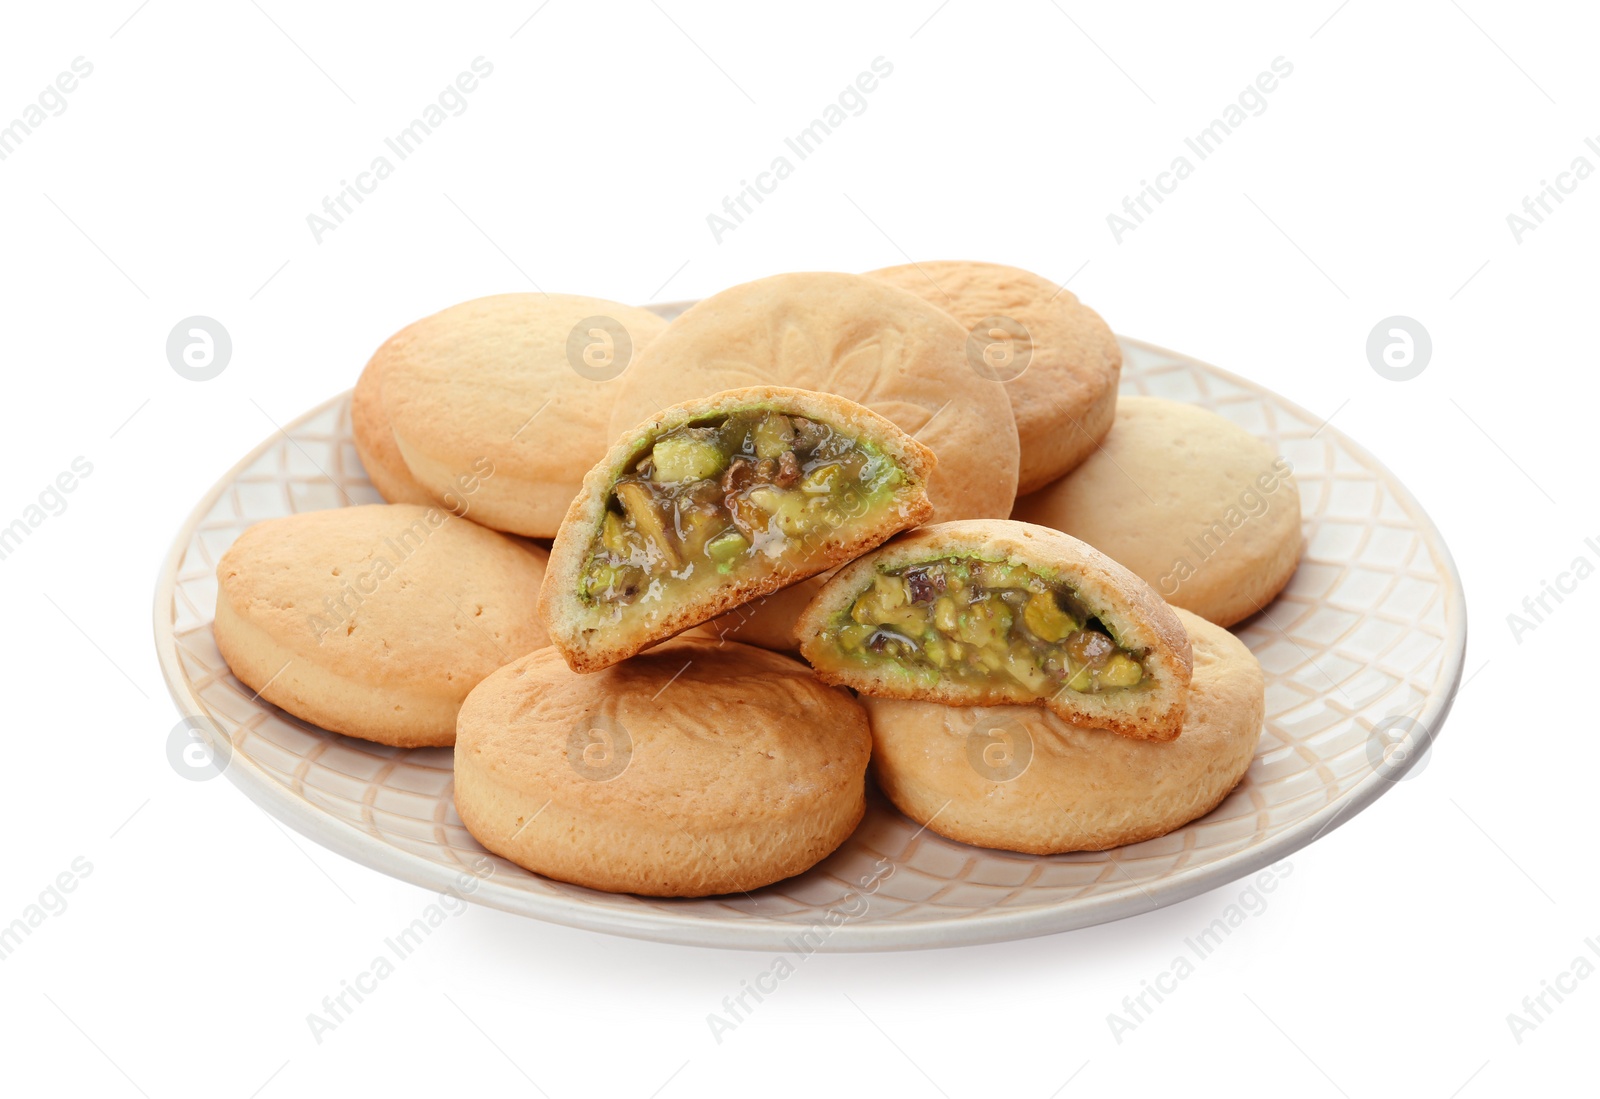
(1362, 654)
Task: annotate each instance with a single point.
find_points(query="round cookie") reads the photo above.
(1059, 361)
(375, 445)
(376, 621)
(856, 337)
(1193, 504)
(689, 770)
(512, 393)
(1019, 778)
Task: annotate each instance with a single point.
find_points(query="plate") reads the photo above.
(1362, 652)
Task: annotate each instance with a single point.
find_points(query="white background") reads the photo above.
(1377, 182)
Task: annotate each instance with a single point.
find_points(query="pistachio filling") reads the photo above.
(987, 624)
(729, 494)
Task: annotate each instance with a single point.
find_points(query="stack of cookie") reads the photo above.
(817, 464)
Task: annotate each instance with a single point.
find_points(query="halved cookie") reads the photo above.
(502, 403)
(716, 502)
(995, 612)
(691, 770)
(1059, 361)
(375, 621)
(1021, 779)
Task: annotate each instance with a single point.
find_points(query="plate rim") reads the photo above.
(852, 936)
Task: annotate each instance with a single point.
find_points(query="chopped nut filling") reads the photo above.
(708, 499)
(977, 622)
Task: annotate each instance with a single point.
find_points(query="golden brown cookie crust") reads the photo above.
(491, 385)
(691, 770)
(589, 645)
(375, 445)
(1065, 398)
(1192, 503)
(1127, 605)
(375, 621)
(954, 768)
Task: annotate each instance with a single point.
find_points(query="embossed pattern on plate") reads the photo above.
(1372, 625)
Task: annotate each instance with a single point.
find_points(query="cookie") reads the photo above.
(1021, 779)
(861, 339)
(1198, 507)
(990, 612)
(1059, 361)
(715, 502)
(690, 770)
(375, 621)
(514, 392)
(375, 445)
